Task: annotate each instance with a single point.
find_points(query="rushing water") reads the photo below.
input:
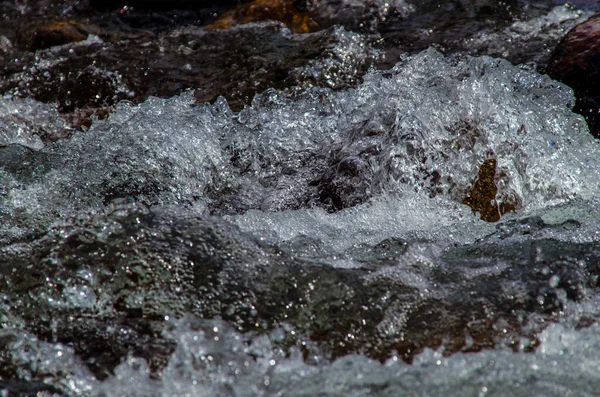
(318, 242)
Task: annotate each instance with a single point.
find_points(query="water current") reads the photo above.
(430, 228)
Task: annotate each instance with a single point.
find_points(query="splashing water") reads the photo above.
(314, 233)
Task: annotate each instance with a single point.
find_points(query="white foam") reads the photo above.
(224, 363)
(22, 121)
(422, 109)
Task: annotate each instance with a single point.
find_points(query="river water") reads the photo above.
(429, 227)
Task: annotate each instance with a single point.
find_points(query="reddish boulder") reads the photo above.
(576, 62)
(266, 10)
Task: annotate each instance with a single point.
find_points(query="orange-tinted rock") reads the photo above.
(482, 197)
(40, 36)
(576, 62)
(266, 10)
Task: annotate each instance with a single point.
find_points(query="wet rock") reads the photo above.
(236, 63)
(347, 182)
(483, 197)
(70, 77)
(24, 164)
(82, 294)
(127, 18)
(532, 226)
(528, 41)
(27, 388)
(385, 252)
(302, 16)
(267, 10)
(40, 36)
(138, 57)
(576, 62)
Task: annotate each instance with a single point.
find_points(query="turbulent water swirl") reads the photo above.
(186, 249)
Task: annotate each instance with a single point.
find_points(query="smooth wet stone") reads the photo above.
(46, 35)
(483, 196)
(266, 10)
(576, 62)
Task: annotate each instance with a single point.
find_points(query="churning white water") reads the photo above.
(324, 177)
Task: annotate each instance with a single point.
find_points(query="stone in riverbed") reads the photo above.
(302, 16)
(482, 197)
(266, 10)
(235, 63)
(45, 35)
(576, 62)
(104, 285)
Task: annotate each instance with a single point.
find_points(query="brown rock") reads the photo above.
(82, 119)
(482, 197)
(39, 36)
(576, 62)
(266, 10)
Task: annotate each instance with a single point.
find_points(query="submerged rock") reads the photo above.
(161, 5)
(107, 284)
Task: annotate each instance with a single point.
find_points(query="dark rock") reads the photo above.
(576, 62)
(365, 16)
(234, 63)
(346, 184)
(24, 163)
(45, 35)
(302, 16)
